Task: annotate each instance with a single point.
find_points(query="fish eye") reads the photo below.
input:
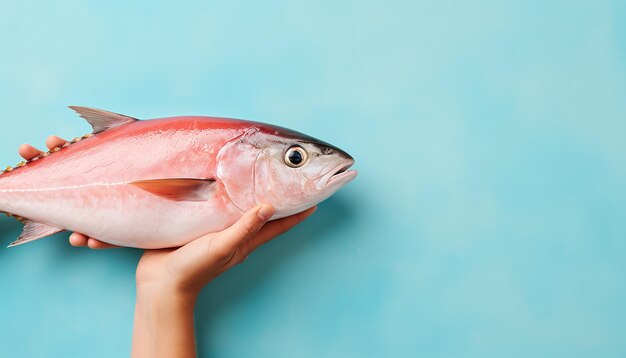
(295, 157)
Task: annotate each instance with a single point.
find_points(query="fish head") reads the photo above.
(277, 166)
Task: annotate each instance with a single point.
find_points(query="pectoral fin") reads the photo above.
(178, 189)
(34, 231)
(102, 120)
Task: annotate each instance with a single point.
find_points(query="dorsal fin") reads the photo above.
(34, 231)
(102, 120)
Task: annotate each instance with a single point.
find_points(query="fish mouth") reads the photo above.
(339, 175)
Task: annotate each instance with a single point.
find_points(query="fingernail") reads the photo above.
(266, 212)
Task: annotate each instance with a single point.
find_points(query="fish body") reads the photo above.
(164, 182)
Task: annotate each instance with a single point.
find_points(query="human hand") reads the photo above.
(169, 280)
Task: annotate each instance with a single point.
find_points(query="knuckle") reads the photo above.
(249, 229)
(220, 253)
(230, 258)
(223, 255)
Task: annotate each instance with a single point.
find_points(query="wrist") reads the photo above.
(163, 323)
(160, 296)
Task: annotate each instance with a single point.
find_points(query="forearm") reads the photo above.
(164, 325)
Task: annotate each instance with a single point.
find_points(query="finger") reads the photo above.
(99, 245)
(273, 229)
(28, 152)
(227, 241)
(78, 240)
(54, 141)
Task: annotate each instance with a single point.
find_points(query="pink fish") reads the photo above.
(164, 182)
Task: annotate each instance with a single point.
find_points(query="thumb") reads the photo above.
(227, 241)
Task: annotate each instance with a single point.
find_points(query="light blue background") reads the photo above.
(489, 218)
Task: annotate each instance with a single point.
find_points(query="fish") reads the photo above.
(163, 182)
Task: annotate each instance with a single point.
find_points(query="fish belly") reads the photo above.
(123, 214)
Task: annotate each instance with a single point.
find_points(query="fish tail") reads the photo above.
(32, 230)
